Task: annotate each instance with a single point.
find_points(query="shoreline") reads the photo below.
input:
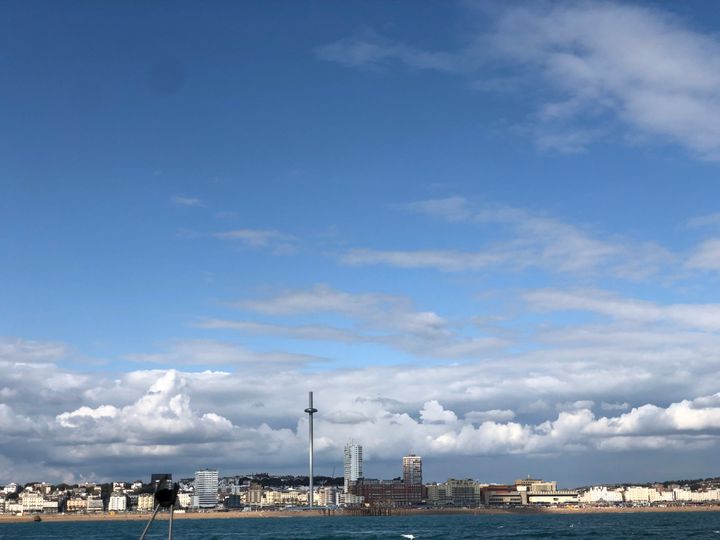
(29, 518)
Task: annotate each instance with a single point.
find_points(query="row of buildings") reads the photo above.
(207, 491)
(648, 495)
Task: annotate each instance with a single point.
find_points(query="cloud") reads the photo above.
(370, 50)
(208, 352)
(165, 414)
(179, 200)
(279, 243)
(392, 313)
(614, 406)
(603, 65)
(450, 208)
(373, 318)
(708, 220)
(522, 240)
(20, 351)
(434, 413)
(644, 66)
(700, 316)
(444, 260)
(316, 332)
(706, 256)
(86, 425)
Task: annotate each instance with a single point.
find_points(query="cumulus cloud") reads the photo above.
(163, 414)
(434, 413)
(604, 65)
(253, 418)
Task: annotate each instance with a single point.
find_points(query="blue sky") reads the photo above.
(494, 225)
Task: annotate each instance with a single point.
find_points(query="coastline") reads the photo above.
(317, 513)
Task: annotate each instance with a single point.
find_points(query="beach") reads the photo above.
(133, 516)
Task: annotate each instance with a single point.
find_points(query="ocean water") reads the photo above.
(597, 526)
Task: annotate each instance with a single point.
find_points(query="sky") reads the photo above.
(484, 232)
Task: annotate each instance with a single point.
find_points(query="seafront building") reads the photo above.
(207, 492)
(353, 464)
(412, 469)
(117, 502)
(145, 502)
(206, 489)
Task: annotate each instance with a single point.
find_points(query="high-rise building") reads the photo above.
(353, 463)
(412, 469)
(206, 488)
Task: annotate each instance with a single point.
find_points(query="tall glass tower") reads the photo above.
(206, 488)
(353, 463)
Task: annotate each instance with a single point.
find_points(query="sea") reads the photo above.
(596, 526)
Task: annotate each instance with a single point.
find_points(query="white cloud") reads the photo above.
(608, 63)
(279, 243)
(316, 332)
(370, 50)
(706, 256)
(445, 260)
(494, 415)
(523, 240)
(20, 351)
(209, 352)
(179, 200)
(372, 310)
(434, 413)
(701, 316)
(614, 406)
(708, 220)
(371, 318)
(254, 417)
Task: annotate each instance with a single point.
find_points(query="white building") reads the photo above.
(95, 504)
(13, 508)
(601, 494)
(184, 500)
(146, 502)
(31, 501)
(12, 487)
(117, 502)
(328, 496)
(348, 499)
(705, 496)
(637, 494)
(353, 463)
(559, 496)
(50, 507)
(206, 488)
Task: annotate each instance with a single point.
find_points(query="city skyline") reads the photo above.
(484, 232)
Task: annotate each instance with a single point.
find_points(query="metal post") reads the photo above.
(172, 511)
(311, 410)
(147, 527)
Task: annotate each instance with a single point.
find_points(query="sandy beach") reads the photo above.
(317, 513)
